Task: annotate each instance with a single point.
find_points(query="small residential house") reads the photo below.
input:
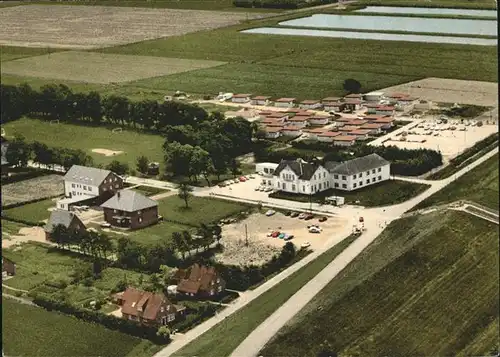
(336, 106)
(285, 102)
(88, 182)
(330, 100)
(241, 98)
(298, 121)
(353, 96)
(358, 173)
(265, 168)
(279, 115)
(328, 136)
(356, 122)
(291, 130)
(374, 96)
(318, 120)
(384, 110)
(298, 176)
(373, 127)
(199, 281)
(8, 267)
(260, 100)
(352, 104)
(273, 132)
(373, 117)
(67, 219)
(348, 128)
(344, 140)
(147, 308)
(371, 108)
(313, 133)
(130, 209)
(310, 104)
(388, 122)
(360, 133)
(273, 121)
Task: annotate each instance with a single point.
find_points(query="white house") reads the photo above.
(328, 136)
(318, 120)
(293, 131)
(266, 171)
(333, 106)
(260, 100)
(285, 102)
(273, 132)
(385, 110)
(353, 104)
(373, 127)
(344, 140)
(298, 176)
(87, 182)
(310, 104)
(241, 98)
(374, 96)
(358, 173)
(298, 121)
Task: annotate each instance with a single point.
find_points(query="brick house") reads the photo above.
(200, 281)
(130, 209)
(67, 219)
(152, 309)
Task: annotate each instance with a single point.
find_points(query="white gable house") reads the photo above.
(87, 182)
(298, 176)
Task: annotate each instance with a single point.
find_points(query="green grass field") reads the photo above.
(428, 286)
(33, 331)
(9, 53)
(132, 143)
(382, 194)
(32, 212)
(222, 339)
(479, 185)
(11, 227)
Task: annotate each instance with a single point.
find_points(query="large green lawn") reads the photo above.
(132, 143)
(222, 339)
(33, 331)
(428, 286)
(479, 185)
(31, 212)
(8, 53)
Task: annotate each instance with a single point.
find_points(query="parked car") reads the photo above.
(305, 245)
(294, 214)
(105, 225)
(302, 215)
(314, 230)
(270, 212)
(308, 216)
(251, 177)
(268, 189)
(322, 219)
(275, 234)
(242, 179)
(288, 237)
(288, 213)
(281, 235)
(222, 184)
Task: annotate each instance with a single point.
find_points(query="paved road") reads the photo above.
(251, 346)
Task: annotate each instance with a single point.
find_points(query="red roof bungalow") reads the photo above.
(352, 104)
(353, 96)
(356, 122)
(271, 121)
(360, 133)
(388, 122)
(344, 140)
(310, 104)
(299, 122)
(330, 99)
(375, 128)
(278, 115)
(328, 136)
(241, 98)
(373, 117)
(398, 95)
(318, 120)
(337, 106)
(273, 132)
(384, 110)
(260, 100)
(292, 130)
(348, 128)
(285, 102)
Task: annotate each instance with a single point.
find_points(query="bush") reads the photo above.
(109, 321)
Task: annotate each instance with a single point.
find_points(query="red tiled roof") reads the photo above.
(373, 117)
(356, 122)
(384, 120)
(330, 99)
(277, 115)
(371, 126)
(330, 134)
(345, 138)
(261, 97)
(298, 119)
(360, 132)
(241, 95)
(199, 278)
(286, 100)
(398, 95)
(316, 130)
(344, 120)
(348, 128)
(353, 95)
(303, 114)
(352, 101)
(150, 303)
(273, 129)
(309, 102)
(385, 108)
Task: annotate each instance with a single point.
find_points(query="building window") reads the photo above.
(73, 185)
(344, 185)
(293, 187)
(354, 185)
(360, 183)
(74, 193)
(171, 317)
(335, 176)
(269, 182)
(373, 171)
(368, 181)
(114, 211)
(116, 186)
(84, 188)
(314, 177)
(89, 188)
(344, 178)
(324, 174)
(379, 169)
(104, 189)
(303, 188)
(380, 178)
(284, 186)
(367, 173)
(360, 174)
(140, 220)
(353, 176)
(336, 184)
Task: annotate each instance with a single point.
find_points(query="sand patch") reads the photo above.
(27, 234)
(107, 152)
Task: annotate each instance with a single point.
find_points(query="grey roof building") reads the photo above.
(304, 170)
(355, 166)
(62, 217)
(129, 201)
(86, 175)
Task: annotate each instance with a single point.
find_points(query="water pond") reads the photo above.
(428, 11)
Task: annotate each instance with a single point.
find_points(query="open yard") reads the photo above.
(32, 212)
(223, 338)
(33, 331)
(479, 185)
(32, 189)
(86, 27)
(101, 68)
(428, 286)
(132, 143)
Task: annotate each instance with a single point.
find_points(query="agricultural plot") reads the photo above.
(87, 27)
(32, 189)
(100, 68)
(427, 286)
(31, 212)
(54, 334)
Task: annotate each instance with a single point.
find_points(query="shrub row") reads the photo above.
(27, 175)
(19, 204)
(195, 316)
(480, 145)
(23, 221)
(109, 321)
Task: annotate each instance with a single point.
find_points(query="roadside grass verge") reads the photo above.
(33, 331)
(201, 210)
(223, 338)
(386, 193)
(32, 212)
(479, 185)
(428, 285)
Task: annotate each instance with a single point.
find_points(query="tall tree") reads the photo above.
(179, 243)
(18, 152)
(185, 192)
(142, 164)
(352, 86)
(119, 168)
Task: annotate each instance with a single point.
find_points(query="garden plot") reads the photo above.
(450, 91)
(91, 67)
(32, 189)
(87, 27)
